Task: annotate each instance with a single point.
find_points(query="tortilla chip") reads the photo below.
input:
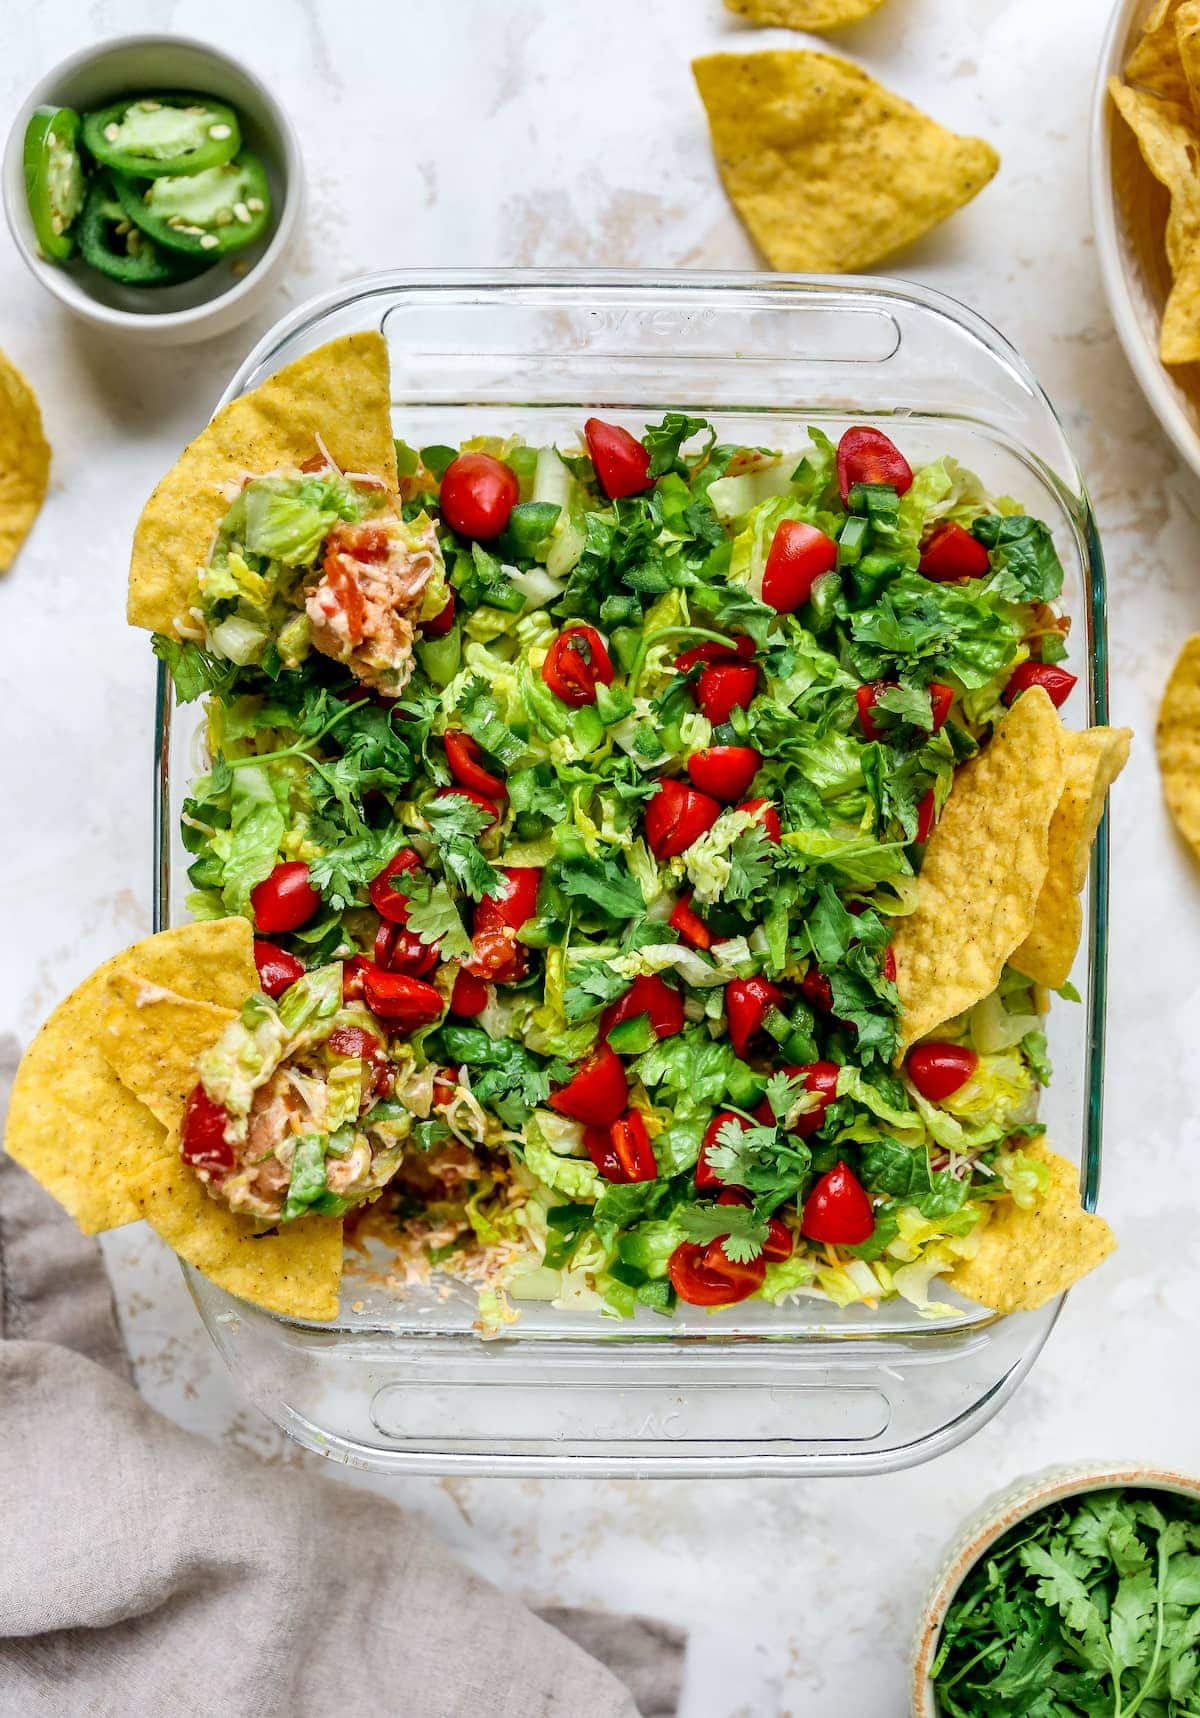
(1187, 38)
(1178, 740)
(1094, 760)
(72, 1123)
(1155, 61)
(1179, 335)
(294, 1269)
(984, 868)
(1169, 140)
(1025, 1258)
(815, 15)
(341, 392)
(24, 461)
(829, 170)
(152, 1038)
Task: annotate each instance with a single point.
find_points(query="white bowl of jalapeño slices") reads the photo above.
(153, 184)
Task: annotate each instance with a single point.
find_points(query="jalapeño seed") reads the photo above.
(209, 242)
(112, 131)
(255, 205)
(242, 212)
(219, 133)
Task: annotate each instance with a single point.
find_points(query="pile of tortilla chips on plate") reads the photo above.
(829, 170)
(99, 1097)
(1000, 885)
(24, 461)
(1160, 102)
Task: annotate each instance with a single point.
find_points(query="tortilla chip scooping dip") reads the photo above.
(118, 1070)
(829, 170)
(24, 461)
(279, 424)
(984, 869)
(1027, 1255)
(815, 15)
(1094, 759)
(1178, 741)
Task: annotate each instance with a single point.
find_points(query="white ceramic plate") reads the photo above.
(1129, 211)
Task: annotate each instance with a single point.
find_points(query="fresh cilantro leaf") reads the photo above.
(604, 882)
(741, 1231)
(455, 825)
(349, 863)
(436, 919)
(593, 984)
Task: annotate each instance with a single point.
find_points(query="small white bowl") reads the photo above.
(1023, 1498)
(1128, 214)
(219, 299)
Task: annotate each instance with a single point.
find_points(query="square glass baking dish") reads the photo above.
(401, 1382)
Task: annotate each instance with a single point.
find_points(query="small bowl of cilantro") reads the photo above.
(153, 185)
(1077, 1597)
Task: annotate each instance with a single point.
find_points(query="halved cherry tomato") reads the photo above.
(445, 1086)
(866, 455)
(941, 698)
(600, 1148)
(478, 494)
(780, 1241)
(746, 1004)
(690, 925)
(649, 995)
(676, 816)
(496, 955)
(725, 686)
(469, 996)
(632, 1149)
(739, 649)
(277, 969)
(622, 463)
(286, 899)
(390, 903)
(398, 949)
(706, 1176)
(926, 816)
(575, 664)
(442, 621)
(355, 1041)
(464, 755)
(821, 1079)
(951, 553)
(766, 814)
(202, 1139)
(478, 799)
(352, 977)
(408, 1003)
(596, 1093)
(724, 771)
(838, 1210)
(1056, 682)
(798, 555)
(866, 697)
(706, 1276)
(516, 903)
(816, 990)
(938, 1070)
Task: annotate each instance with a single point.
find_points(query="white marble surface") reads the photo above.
(551, 132)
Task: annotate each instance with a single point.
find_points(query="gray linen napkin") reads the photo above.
(144, 1570)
